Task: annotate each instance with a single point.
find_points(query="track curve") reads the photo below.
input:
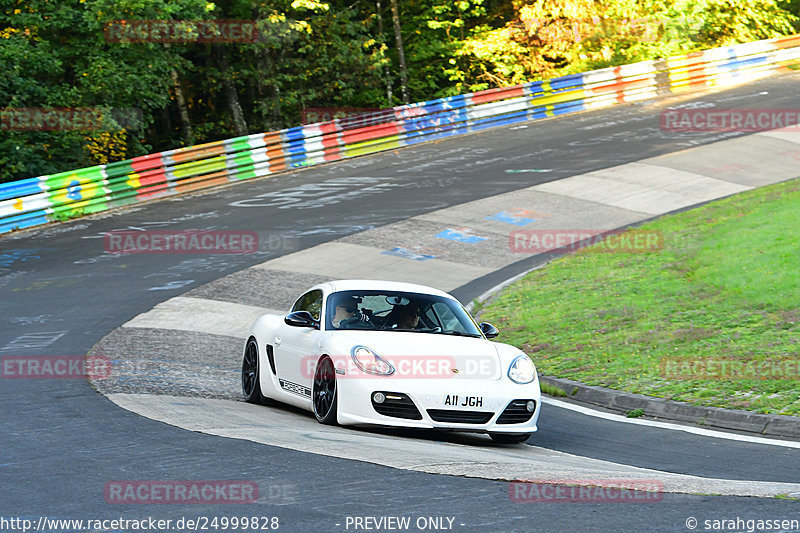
(62, 271)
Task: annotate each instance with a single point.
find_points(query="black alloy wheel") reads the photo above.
(323, 393)
(251, 382)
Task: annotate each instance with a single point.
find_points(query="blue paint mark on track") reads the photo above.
(460, 236)
(408, 254)
(511, 218)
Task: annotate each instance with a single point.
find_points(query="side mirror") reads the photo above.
(489, 330)
(301, 319)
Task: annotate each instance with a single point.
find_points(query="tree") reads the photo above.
(727, 22)
(313, 53)
(547, 38)
(57, 55)
(401, 54)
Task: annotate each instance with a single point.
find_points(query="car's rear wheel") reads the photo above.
(251, 381)
(510, 438)
(324, 393)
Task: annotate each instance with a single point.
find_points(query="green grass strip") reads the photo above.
(711, 319)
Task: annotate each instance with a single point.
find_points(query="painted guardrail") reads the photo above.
(89, 190)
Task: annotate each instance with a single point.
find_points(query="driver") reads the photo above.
(347, 314)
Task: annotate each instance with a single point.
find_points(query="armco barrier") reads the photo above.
(74, 193)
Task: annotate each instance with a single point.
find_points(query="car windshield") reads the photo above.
(398, 311)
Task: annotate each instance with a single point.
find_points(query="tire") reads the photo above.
(251, 378)
(510, 438)
(324, 393)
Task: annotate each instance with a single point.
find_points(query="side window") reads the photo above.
(311, 302)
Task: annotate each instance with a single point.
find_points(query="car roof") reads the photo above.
(380, 285)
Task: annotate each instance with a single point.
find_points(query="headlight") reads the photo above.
(522, 370)
(370, 362)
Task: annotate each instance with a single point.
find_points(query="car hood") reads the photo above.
(424, 355)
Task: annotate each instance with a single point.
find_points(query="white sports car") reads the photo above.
(391, 354)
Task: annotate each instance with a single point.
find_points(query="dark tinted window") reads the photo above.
(311, 302)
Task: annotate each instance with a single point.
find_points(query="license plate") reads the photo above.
(456, 400)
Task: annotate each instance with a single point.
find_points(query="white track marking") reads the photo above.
(456, 454)
(667, 425)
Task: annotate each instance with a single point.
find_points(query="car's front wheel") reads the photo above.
(510, 438)
(324, 393)
(251, 381)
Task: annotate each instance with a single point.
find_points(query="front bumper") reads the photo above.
(458, 405)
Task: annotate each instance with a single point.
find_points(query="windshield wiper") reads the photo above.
(428, 330)
(460, 334)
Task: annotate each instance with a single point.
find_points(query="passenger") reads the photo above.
(408, 316)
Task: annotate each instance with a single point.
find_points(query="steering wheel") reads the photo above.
(358, 321)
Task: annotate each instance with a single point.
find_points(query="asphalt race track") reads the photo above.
(63, 442)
